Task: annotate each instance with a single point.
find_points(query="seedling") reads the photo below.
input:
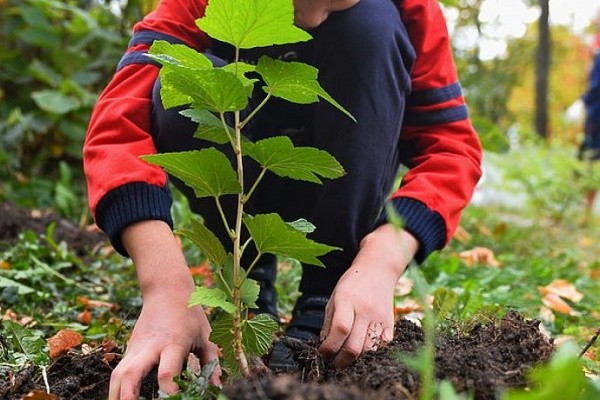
(189, 78)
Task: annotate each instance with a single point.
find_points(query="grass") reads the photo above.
(57, 287)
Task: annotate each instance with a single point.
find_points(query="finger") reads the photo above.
(329, 311)
(377, 334)
(372, 338)
(341, 326)
(206, 354)
(170, 366)
(125, 380)
(353, 347)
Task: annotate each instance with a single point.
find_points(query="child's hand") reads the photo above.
(166, 330)
(164, 335)
(360, 314)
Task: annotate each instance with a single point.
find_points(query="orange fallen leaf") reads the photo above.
(85, 317)
(63, 341)
(562, 288)
(556, 303)
(407, 306)
(88, 303)
(462, 235)
(479, 255)
(40, 395)
(4, 264)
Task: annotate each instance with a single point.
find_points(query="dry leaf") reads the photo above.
(562, 288)
(404, 286)
(88, 303)
(85, 317)
(407, 306)
(40, 395)
(4, 264)
(556, 303)
(462, 235)
(479, 255)
(63, 341)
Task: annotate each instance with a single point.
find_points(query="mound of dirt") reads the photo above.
(482, 361)
(15, 220)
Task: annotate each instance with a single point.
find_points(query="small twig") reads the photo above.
(590, 343)
(45, 376)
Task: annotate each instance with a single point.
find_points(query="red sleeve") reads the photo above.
(119, 128)
(438, 141)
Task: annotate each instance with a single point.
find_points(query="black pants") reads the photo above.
(364, 58)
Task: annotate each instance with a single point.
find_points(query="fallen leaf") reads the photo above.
(4, 265)
(479, 255)
(88, 303)
(85, 317)
(9, 315)
(562, 288)
(462, 235)
(63, 341)
(407, 306)
(556, 303)
(40, 395)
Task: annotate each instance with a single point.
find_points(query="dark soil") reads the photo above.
(14, 220)
(481, 361)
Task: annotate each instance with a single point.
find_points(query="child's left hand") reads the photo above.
(360, 314)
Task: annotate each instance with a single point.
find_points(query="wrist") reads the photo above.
(393, 248)
(159, 261)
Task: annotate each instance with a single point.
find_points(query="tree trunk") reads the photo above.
(542, 71)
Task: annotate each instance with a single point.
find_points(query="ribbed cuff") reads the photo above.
(133, 202)
(424, 224)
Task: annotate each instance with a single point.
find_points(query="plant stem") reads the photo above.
(238, 348)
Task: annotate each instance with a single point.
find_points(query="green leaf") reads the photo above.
(211, 297)
(27, 345)
(247, 24)
(222, 336)
(272, 235)
(208, 171)
(55, 102)
(249, 292)
(240, 69)
(207, 241)
(302, 225)
(178, 55)
(295, 82)
(257, 334)
(210, 127)
(212, 89)
(279, 155)
(21, 289)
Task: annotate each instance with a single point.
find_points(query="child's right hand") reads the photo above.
(165, 333)
(167, 330)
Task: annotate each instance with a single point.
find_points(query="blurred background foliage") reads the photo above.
(56, 56)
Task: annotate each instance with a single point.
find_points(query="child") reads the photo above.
(389, 64)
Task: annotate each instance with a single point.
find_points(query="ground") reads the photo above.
(482, 360)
